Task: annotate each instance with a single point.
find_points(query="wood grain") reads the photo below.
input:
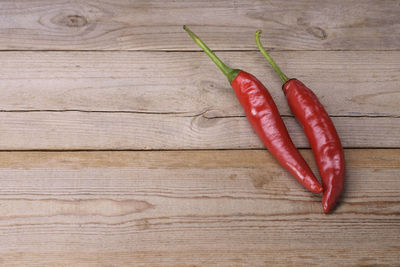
(126, 131)
(363, 83)
(123, 75)
(226, 25)
(193, 208)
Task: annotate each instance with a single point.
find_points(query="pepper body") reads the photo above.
(323, 138)
(264, 117)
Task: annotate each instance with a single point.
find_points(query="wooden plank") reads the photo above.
(82, 130)
(150, 25)
(193, 208)
(348, 83)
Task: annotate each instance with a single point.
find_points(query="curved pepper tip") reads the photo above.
(327, 208)
(317, 189)
(328, 204)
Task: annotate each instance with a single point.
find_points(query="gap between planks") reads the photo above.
(201, 51)
(184, 114)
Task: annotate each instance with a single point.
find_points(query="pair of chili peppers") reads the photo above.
(264, 117)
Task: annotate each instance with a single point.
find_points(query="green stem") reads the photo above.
(283, 77)
(228, 71)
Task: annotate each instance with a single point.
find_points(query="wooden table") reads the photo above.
(123, 145)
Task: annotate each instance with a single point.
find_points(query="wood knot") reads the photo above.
(74, 21)
(206, 119)
(317, 32)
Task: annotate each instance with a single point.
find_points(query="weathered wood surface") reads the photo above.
(193, 208)
(195, 205)
(227, 25)
(349, 83)
(126, 131)
(158, 100)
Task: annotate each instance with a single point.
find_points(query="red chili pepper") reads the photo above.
(320, 131)
(265, 119)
